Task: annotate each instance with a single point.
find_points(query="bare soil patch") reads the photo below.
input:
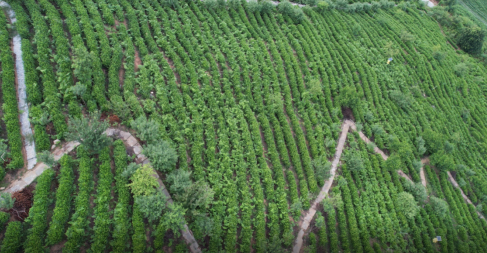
(137, 61)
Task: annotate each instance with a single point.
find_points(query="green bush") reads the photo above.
(12, 242)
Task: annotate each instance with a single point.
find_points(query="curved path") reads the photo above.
(130, 143)
(25, 129)
(306, 220)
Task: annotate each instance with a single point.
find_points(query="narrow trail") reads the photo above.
(25, 129)
(308, 217)
(130, 143)
(326, 187)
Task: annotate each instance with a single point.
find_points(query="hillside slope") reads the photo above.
(251, 98)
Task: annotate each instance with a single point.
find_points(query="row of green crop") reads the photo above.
(49, 84)
(98, 86)
(102, 212)
(14, 237)
(138, 236)
(76, 233)
(38, 213)
(59, 220)
(9, 96)
(121, 225)
(105, 50)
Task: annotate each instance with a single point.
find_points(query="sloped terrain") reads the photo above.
(251, 98)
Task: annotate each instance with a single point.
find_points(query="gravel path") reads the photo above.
(26, 131)
(130, 142)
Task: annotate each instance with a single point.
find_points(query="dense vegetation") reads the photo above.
(239, 106)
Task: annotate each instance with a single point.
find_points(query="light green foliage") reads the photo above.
(6, 200)
(12, 242)
(406, 204)
(442, 161)
(173, 218)
(47, 158)
(322, 168)
(143, 182)
(440, 207)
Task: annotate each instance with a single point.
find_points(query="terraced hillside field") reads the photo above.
(244, 103)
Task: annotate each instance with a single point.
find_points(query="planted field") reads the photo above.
(239, 107)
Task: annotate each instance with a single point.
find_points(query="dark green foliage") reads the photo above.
(121, 224)
(4, 217)
(471, 39)
(12, 242)
(57, 226)
(163, 157)
(37, 214)
(89, 132)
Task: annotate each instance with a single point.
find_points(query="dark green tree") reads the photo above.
(471, 39)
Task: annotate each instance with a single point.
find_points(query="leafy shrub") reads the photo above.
(406, 204)
(442, 161)
(12, 242)
(461, 69)
(322, 169)
(47, 158)
(440, 207)
(162, 156)
(471, 39)
(4, 217)
(143, 182)
(6, 201)
(179, 180)
(89, 132)
(152, 206)
(147, 130)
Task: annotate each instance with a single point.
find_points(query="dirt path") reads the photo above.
(306, 220)
(326, 187)
(465, 197)
(130, 143)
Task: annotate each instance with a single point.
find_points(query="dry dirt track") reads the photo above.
(306, 220)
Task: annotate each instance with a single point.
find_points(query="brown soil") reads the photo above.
(58, 247)
(50, 129)
(347, 113)
(137, 61)
(121, 73)
(114, 119)
(23, 203)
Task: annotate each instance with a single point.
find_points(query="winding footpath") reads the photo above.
(347, 124)
(25, 129)
(132, 144)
